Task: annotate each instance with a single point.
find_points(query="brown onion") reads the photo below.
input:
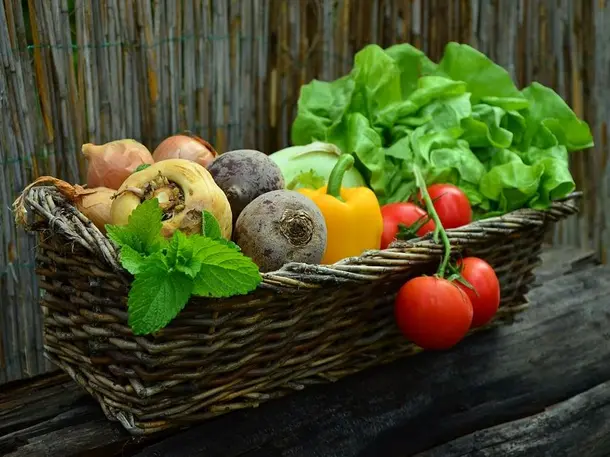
(185, 146)
(94, 204)
(111, 163)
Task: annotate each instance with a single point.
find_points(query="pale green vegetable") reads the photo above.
(310, 166)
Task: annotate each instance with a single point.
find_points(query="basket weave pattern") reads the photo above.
(305, 324)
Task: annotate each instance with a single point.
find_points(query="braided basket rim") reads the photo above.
(294, 276)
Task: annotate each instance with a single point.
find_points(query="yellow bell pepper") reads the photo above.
(353, 217)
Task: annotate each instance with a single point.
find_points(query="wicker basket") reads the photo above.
(305, 324)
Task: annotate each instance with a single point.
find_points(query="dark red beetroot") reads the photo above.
(243, 175)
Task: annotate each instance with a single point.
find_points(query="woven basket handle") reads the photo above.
(41, 207)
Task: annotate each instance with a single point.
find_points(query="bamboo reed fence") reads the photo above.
(75, 71)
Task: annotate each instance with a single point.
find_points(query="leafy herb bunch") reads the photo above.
(168, 272)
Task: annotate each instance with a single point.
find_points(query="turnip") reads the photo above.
(310, 165)
(243, 175)
(279, 227)
(183, 189)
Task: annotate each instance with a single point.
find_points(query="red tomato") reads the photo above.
(451, 205)
(432, 312)
(483, 278)
(402, 213)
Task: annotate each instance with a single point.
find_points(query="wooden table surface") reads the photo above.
(540, 387)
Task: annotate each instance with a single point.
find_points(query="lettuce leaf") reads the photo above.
(551, 122)
(322, 106)
(488, 82)
(462, 121)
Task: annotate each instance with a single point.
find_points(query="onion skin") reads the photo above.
(94, 204)
(185, 146)
(198, 188)
(110, 164)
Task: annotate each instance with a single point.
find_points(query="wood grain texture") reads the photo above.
(557, 350)
(578, 426)
(97, 70)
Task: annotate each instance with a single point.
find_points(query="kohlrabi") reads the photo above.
(310, 166)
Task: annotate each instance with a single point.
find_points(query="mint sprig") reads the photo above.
(211, 229)
(143, 230)
(210, 226)
(168, 272)
(157, 295)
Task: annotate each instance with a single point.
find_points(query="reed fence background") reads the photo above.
(75, 71)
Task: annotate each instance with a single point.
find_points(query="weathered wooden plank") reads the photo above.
(578, 426)
(559, 261)
(79, 435)
(36, 401)
(50, 416)
(557, 350)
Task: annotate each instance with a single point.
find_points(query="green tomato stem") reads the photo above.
(345, 162)
(438, 229)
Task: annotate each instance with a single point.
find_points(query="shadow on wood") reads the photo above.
(578, 426)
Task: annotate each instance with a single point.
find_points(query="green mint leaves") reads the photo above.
(210, 225)
(168, 272)
(225, 271)
(141, 237)
(211, 229)
(157, 295)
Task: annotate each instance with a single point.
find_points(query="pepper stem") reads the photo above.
(438, 230)
(345, 162)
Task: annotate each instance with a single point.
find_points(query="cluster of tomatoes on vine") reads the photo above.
(436, 312)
